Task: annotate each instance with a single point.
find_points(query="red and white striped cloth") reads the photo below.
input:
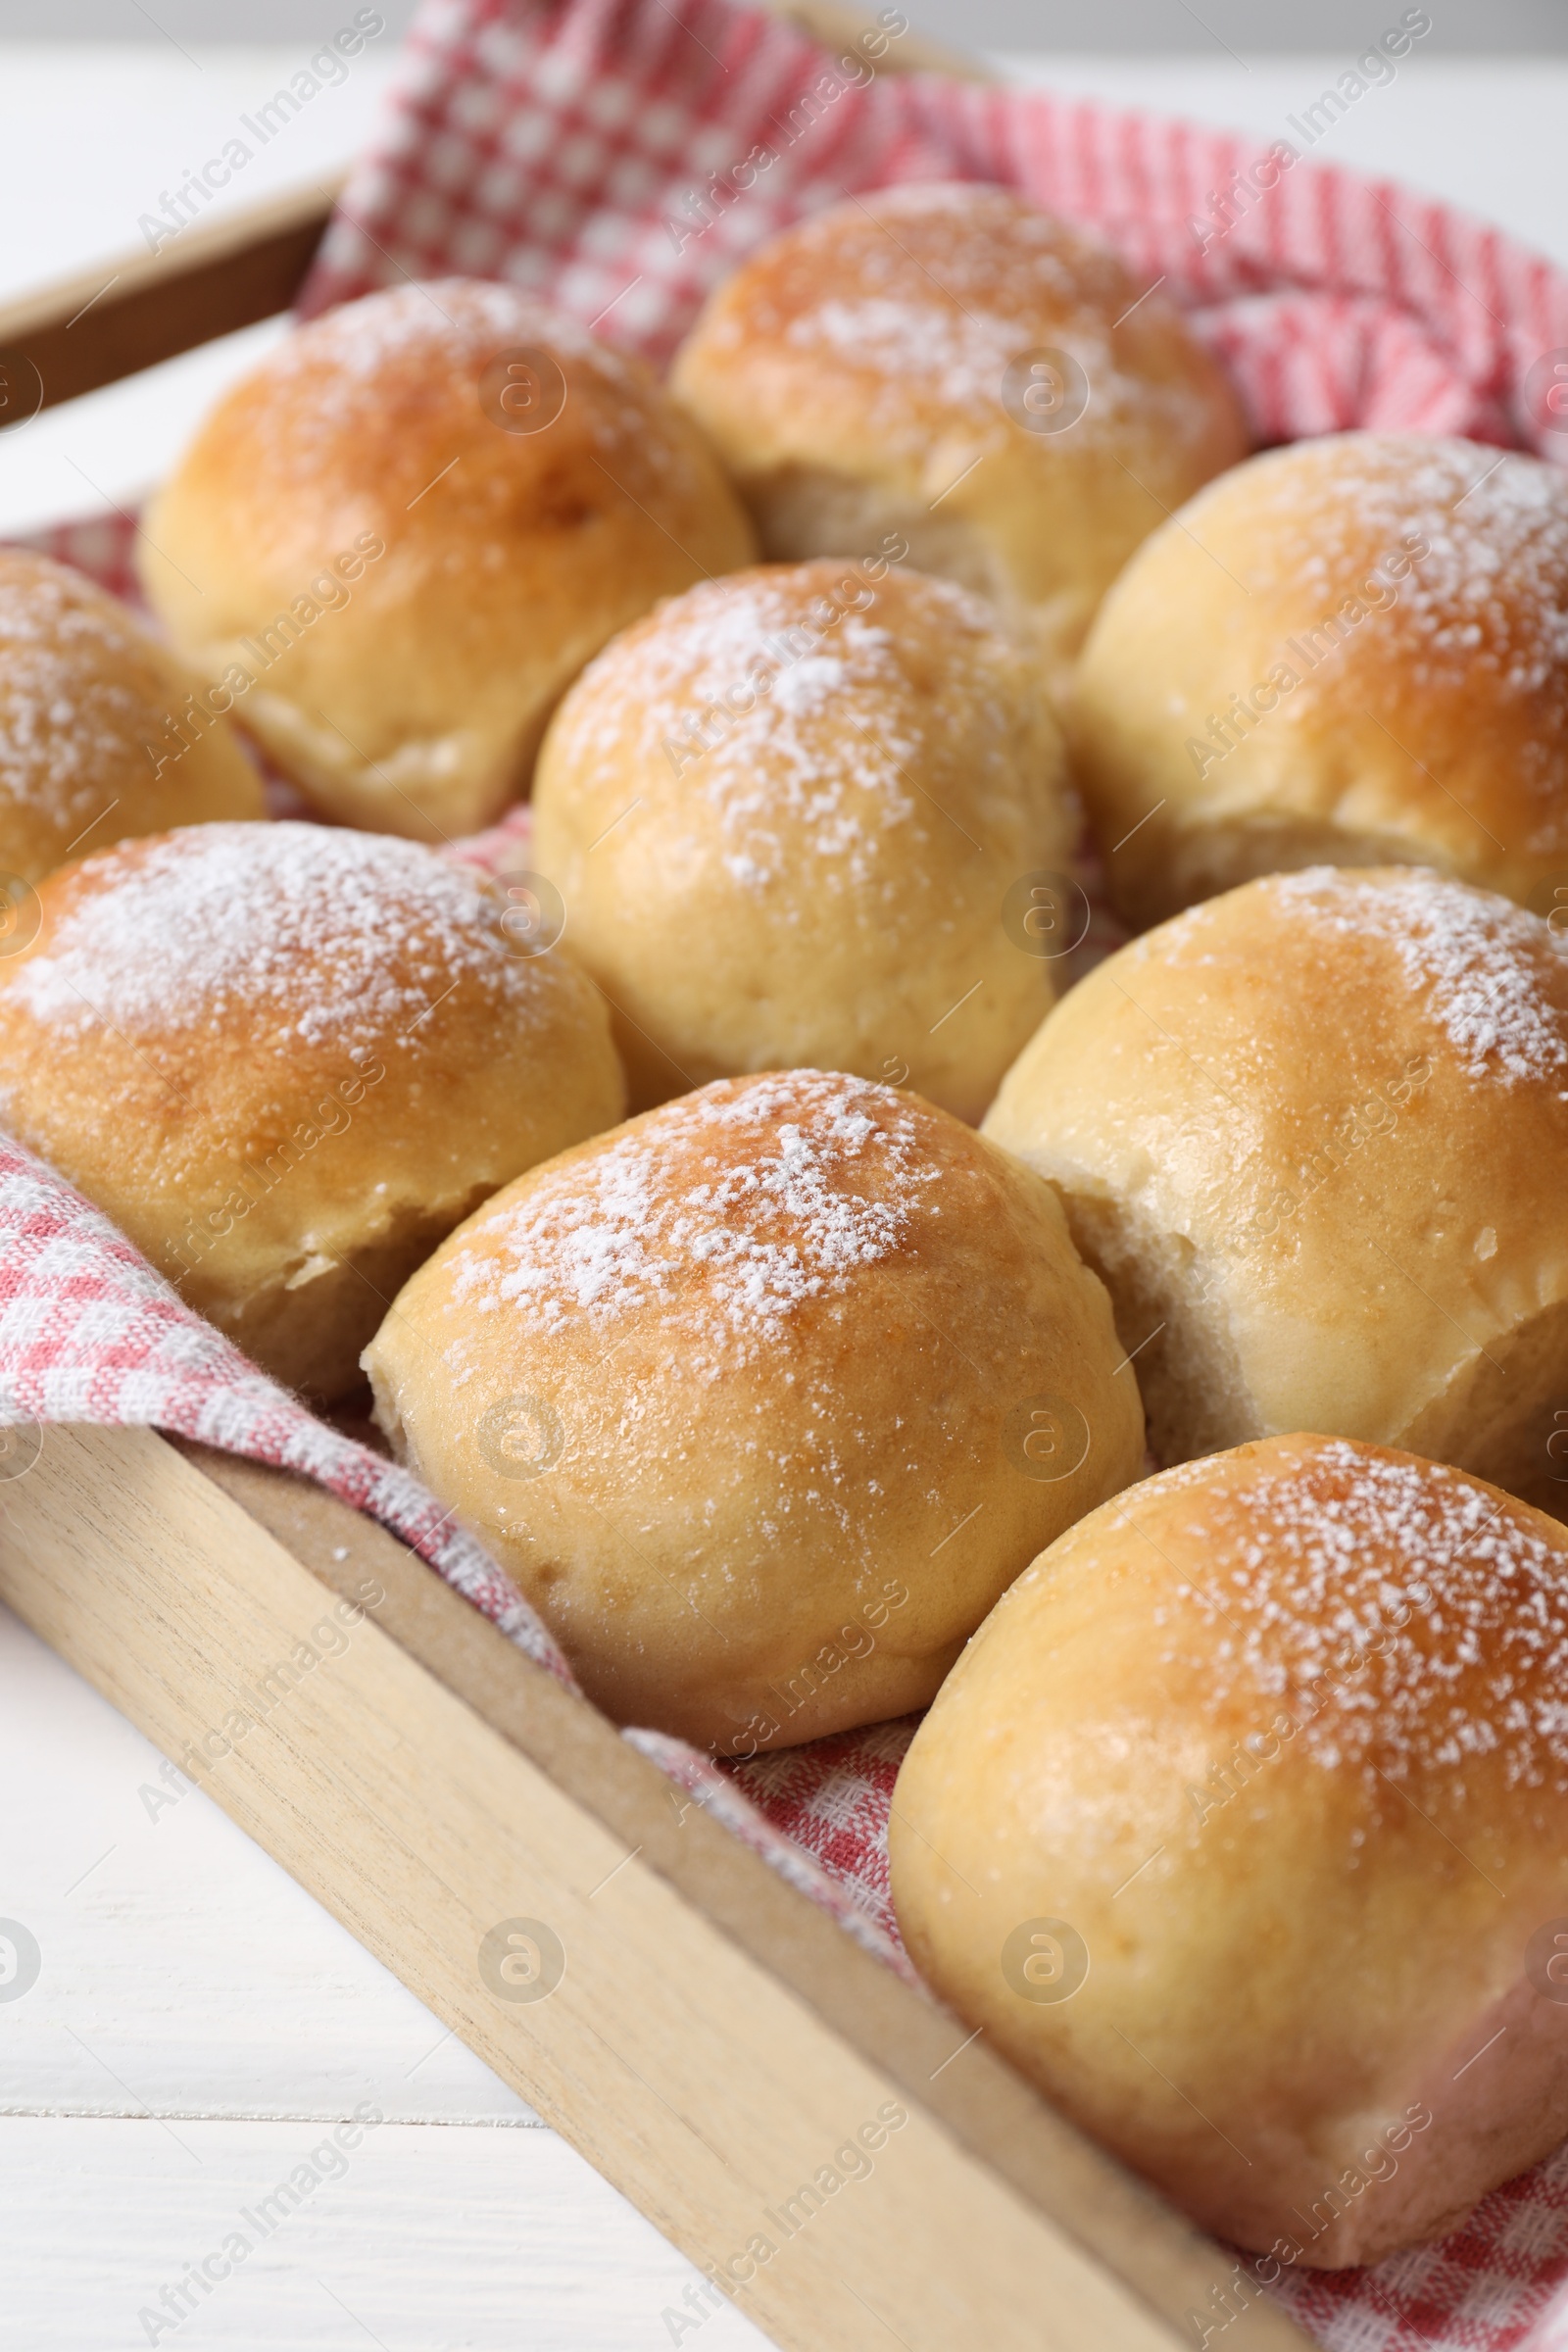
(577, 147)
(562, 145)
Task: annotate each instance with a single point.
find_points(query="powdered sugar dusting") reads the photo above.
(417, 354)
(306, 932)
(756, 701)
(1489, 593)
(68, 730)
(1483, 966)
(938, 289)
(958, 356)
(463, 320)
(1482, 615)
(1406, 1619)
(718, 1216)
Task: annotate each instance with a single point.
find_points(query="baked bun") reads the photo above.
(762, 1399)
(784, 813)
(954, 367)
(1239, 1827)
(96, 736)
(398, 552)
(1353, 651)
(287, 1061)
(1310, 1135)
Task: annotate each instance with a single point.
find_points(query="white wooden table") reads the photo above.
(198, 2028)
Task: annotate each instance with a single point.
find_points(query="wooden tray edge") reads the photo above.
(87, 1480)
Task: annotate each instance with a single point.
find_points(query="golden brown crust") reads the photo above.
(96, 741)
(763, 1398)
(785, 814)
(1278, 1739)
(461, 571)
(1307, 1133)
(855, 376)
(1351, 652)
(287, 1061)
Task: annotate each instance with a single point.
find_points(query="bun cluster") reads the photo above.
(820, 1390)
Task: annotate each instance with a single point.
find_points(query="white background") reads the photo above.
(198, 2023)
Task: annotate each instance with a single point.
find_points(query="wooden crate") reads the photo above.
(714, 2037)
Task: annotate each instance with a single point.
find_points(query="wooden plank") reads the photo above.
(714, 2039)
(181, 1972)
(982, 2100)
(124, 315)
(493, 2240)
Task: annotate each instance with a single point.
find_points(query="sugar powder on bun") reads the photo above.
(96, 738)
(763, 1398)
(1239, 1827)
(1352, 651)
(1309, 1133)
(786, 813)
(287, 1061)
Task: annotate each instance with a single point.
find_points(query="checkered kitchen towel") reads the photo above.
(592, 151)
(620, 157)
